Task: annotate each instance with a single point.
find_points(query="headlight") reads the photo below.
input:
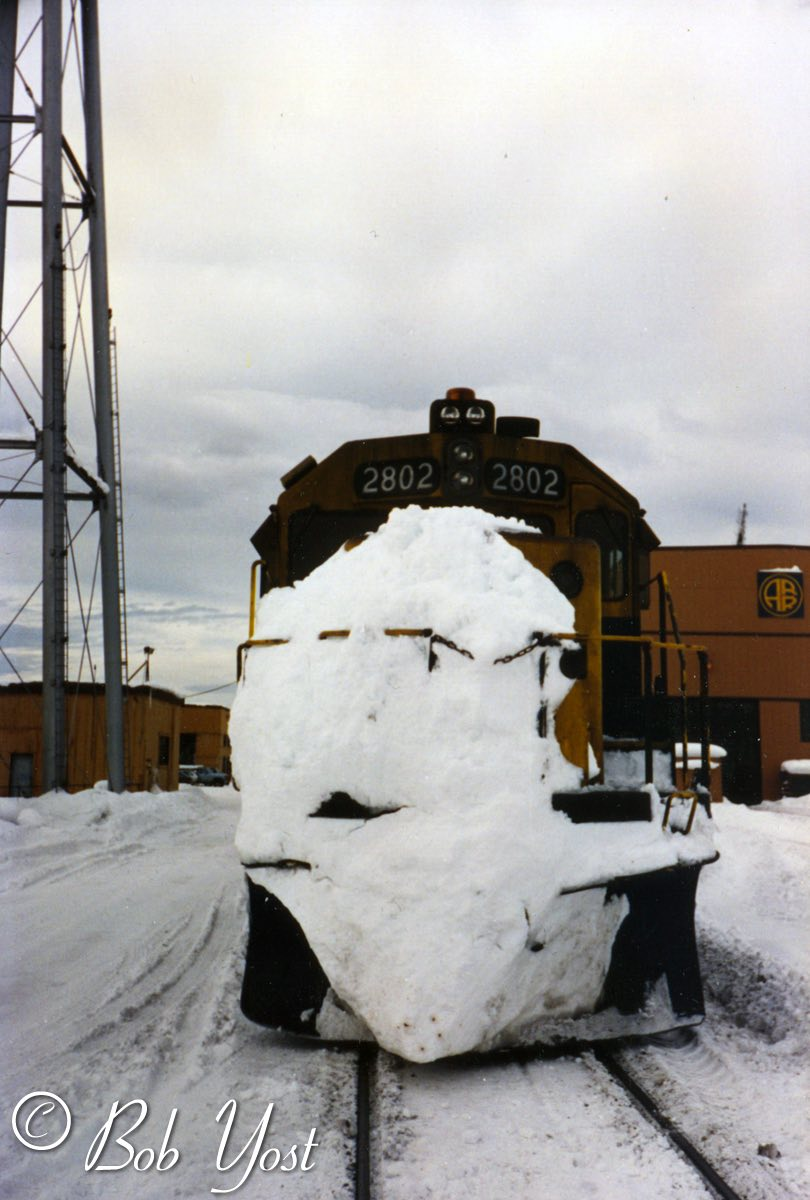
(463, 452)
(567, 576)
(462, 479)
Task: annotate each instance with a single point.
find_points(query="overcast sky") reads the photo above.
(321, 215)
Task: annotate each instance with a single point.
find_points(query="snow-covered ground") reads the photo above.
(741, 1089)
(122, 938)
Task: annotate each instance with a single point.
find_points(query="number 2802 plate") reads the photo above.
(387, 479)
(528, 480)
(400, 477)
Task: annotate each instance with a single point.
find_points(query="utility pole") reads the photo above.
(50, 443)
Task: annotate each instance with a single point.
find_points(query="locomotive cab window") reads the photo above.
(609, 529)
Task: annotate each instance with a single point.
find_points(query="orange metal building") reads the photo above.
(747, 605)
(156, 722)
(204, 736)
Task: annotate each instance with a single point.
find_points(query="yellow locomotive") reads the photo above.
(614, 728)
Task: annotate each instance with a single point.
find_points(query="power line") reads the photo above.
(208, 691)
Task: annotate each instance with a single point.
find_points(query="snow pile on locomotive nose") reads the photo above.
(430, 915)
(445, 568)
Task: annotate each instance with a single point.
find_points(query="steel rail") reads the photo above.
(650, 1109)
(366, 1059)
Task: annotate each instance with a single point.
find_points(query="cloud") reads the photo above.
(465, 194)
(322, 215)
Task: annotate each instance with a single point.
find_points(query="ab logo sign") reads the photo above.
(780, 593)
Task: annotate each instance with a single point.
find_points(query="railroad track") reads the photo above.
(668, 1127)
(366, 1060)
(369, 1060)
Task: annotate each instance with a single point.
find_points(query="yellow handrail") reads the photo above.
(240, 650)
(254, 567)
(327, 634)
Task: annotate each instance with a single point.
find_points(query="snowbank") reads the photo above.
(98, 813)
(759, 897)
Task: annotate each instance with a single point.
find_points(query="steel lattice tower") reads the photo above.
(50, 444)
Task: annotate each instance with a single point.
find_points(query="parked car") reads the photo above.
(202, 776)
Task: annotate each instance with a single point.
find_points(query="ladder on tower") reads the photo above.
(119, 523)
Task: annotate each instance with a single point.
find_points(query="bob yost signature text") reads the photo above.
(42, 1121)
